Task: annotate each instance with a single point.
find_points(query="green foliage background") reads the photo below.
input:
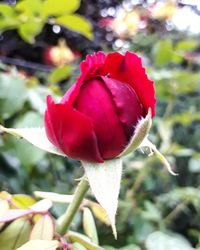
(156, 210)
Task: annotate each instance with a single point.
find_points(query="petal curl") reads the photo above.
(90, 67)
(71, 131)
(129, 69)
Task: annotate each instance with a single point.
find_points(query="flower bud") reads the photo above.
(97, 116)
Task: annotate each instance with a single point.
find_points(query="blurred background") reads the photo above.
(41, 46)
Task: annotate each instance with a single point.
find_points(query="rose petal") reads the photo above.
(95, 101)
(74, 132)
(112, 65)
(129, 69)
(92, 66)
(129, 109)
(48, 124)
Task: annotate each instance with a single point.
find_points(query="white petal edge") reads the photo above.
(36, 136)
(140, 133)
(104, 179)
(147, 143)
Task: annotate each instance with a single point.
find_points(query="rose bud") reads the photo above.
(97, 116)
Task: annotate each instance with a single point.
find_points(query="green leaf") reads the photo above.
(179, 195)
(194, 165)
(161, 241)
(6, 10)
(89, 225)
(169, 82)
(8, 17)
(99, 212)
(76, 23)
(151, 212)
(29, 119)
(56, 8)
(11, 101)
(109, 248)
(40, 245)
(25, 152)
(83, 240)
(8, 23)
(163, 51)
(36, 136)
(104, 179)
(60, 73)
(16, 234)
(29, 30)
(43, 229)
(61, 198)
(182, 47)
(37, 98)
(130, 247)
(186, 45)
(29, 7)
(140, 133)
(78, 246)
(22, 200)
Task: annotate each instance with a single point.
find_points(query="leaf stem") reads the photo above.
(65, 220)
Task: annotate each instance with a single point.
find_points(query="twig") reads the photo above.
(26, 64)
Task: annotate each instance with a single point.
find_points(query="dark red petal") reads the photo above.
(95, 101)
(48, 124)
(112, 65)
(92, 66)
(129, 108)
(142, 85)
(71, 131)
(129, 69)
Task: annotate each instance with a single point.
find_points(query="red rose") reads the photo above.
(97, 116)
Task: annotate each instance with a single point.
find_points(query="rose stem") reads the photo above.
(68, 216)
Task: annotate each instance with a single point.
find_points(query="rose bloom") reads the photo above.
(97, 116)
